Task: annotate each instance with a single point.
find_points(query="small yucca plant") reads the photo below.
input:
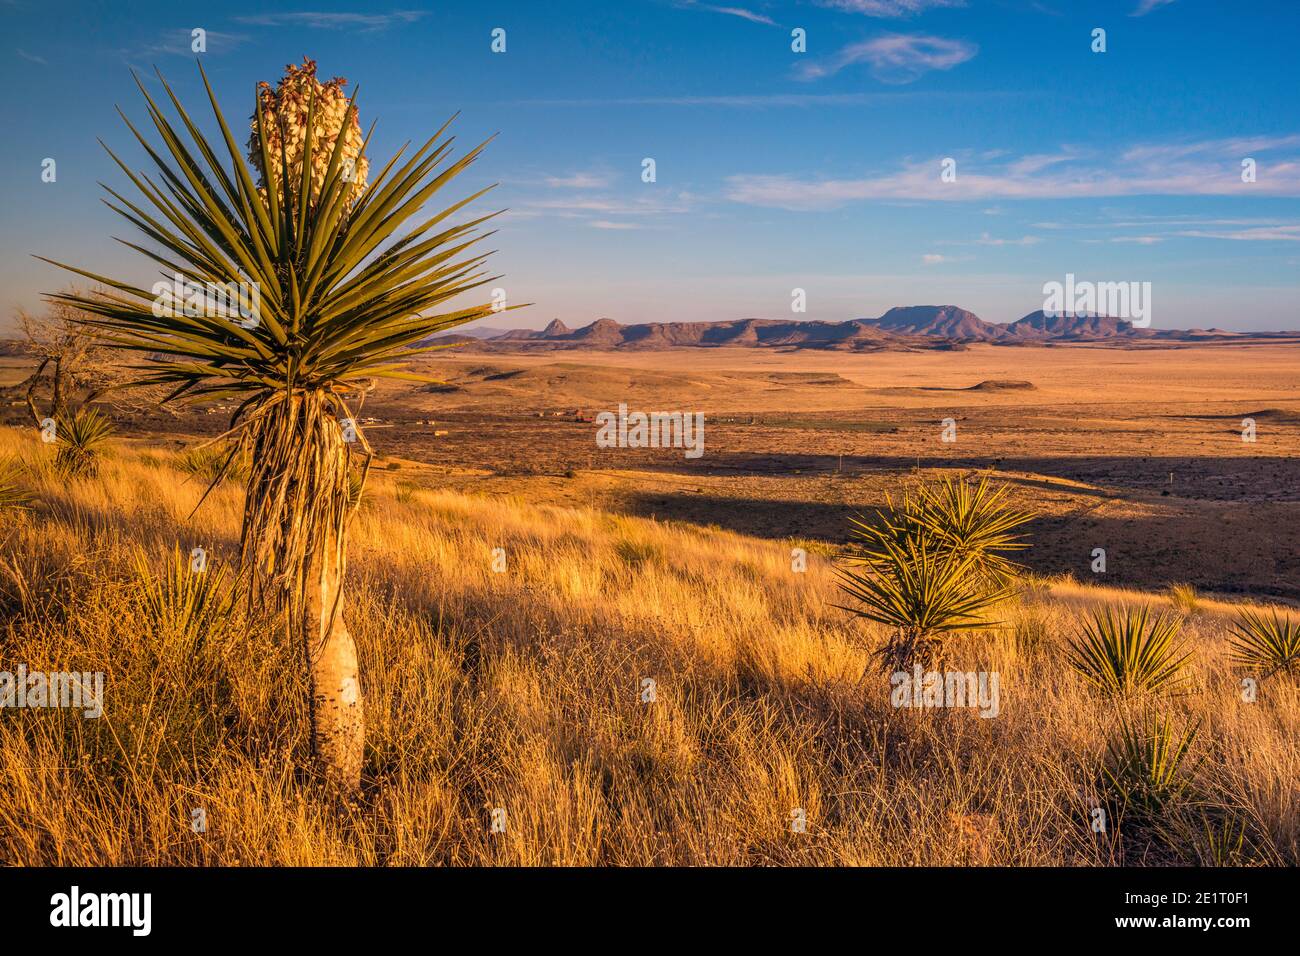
(82, 436)
(1183, 597)
(1125, 651)
(931, 565)
(356, 488)
(212, 465)
(181, 601)
(1221, 842)
(13, 496)
(924, 592)
(1270, 644)
(1146, 764)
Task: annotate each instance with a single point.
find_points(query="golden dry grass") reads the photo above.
(522, 690)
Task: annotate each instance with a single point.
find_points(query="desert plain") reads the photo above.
(1136, 451)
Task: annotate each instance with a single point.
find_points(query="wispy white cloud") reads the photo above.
(1239, 146)
(1209, 168)
(765, 100)
(1258, 234)
(604, 210)
(889, 8)
(1146, 6)
(743, 12)
(334, 20)
(1036, 163)
(608, 205)
(179, 42)
(1157, 222)
(894, 57)
(987, 240)
(582, 180)
(33, 57)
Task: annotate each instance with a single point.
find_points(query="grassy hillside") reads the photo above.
(522, 690)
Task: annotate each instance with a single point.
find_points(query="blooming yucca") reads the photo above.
(342, 301)
(298, 99)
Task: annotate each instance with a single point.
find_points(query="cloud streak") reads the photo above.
(1259, 234)
(892, 9)
(585, 180)
(1210, 168)
(781, 100)
(179, 42)
(337, 20)
(1146, 6)
(744, 14)
(894, 58)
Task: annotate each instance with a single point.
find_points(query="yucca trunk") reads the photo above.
(337, 713)
(296, 516)
(909, 646)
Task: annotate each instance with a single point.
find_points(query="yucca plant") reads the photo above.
(954, 514)
(13, 496)
(1146, 764)
(329, 287)
(973, 519)
(923, 591)
(1183, 598)
(1270, 645)
(81, 435)
(931, 565)
(183, 602)
(212, 465)
(356, 487)
(1126, 651)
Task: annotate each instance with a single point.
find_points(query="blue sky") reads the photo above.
(775, 170)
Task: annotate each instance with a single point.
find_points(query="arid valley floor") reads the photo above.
(1137, 451)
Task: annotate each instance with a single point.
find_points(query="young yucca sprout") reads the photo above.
(187, 599)
(1224, 841)
(356, 488)
(1146, 764)
(13, 496)
(1125, 651)
(81, 435)
(1270, 644)
(211, 464)
(1183, 598)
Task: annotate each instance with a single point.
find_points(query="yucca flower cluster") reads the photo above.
(284, 117)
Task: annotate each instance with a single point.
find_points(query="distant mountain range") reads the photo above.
(904, 327)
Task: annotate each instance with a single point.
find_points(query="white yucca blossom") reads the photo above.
(286, 109)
